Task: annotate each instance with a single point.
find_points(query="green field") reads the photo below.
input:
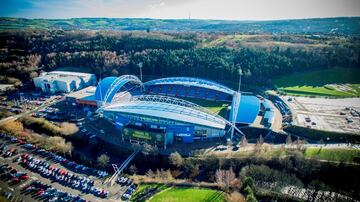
(217, 107)
(321, 83)
(182, 194)
(143, 187)
(341, 155)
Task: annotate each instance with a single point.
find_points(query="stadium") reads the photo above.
(175, 109)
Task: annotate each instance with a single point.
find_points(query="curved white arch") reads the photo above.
(117, 84)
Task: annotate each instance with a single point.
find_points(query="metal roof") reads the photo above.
(203, 83)
(168, 108)
(69, 73)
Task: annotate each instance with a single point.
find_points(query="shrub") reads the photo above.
(68, 128)
(102, 160)
(176, 159)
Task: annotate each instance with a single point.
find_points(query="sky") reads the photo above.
(181, 9)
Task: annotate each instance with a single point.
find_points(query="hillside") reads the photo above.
(339, 26)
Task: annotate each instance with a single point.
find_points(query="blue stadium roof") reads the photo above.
(190, 81)
(108, 87)
(103, 87)
(248, 109)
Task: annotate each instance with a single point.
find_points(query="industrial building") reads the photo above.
(63, 81)
(156, 111)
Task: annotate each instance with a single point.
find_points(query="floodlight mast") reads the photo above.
(236, 105)
(140, 65)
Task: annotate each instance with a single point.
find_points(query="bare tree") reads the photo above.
(288, 139)
(149, 150)
(176, 159)
(225, 179)
(68, 148)
(243, 141)
(260, 140)
(133, 169)
(150, 174)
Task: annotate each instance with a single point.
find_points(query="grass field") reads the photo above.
(182, 194)
(214, 106)
(320, 83)
(345, 155)
(143, 187)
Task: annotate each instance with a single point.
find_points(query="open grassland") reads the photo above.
(266, 41)
(185, 194)
(341, 154)
(338, 82)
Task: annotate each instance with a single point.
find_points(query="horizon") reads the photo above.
(237, 10)
(145, 18)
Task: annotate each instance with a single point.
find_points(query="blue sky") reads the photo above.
(177, 9)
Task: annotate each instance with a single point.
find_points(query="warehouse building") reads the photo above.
(63, 81)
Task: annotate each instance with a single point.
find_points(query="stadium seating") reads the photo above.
(187, 91)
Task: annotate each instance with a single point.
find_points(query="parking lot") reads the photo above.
(340, 115)
(32, 174)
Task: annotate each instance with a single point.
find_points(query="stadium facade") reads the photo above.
(157, 112)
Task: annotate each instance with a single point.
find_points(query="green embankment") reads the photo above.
(320, 83)
(333, 154)
(185, 194)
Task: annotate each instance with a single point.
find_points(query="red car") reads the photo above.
(15, 180)
(24, 177)
(40, 192)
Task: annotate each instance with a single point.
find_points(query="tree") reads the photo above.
(225, 179)
(235, 197)
(33, 75)
(68, 148)
(176, 159)
(68, 128)
(133, 169)
(12, 127)
(260, 140)
(102, 160)
(243, 141)
(248, 182)
(250, 197)
(149, 150)
(150, 174)
(288, 139)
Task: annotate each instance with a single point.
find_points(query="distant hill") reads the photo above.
(337, 26)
